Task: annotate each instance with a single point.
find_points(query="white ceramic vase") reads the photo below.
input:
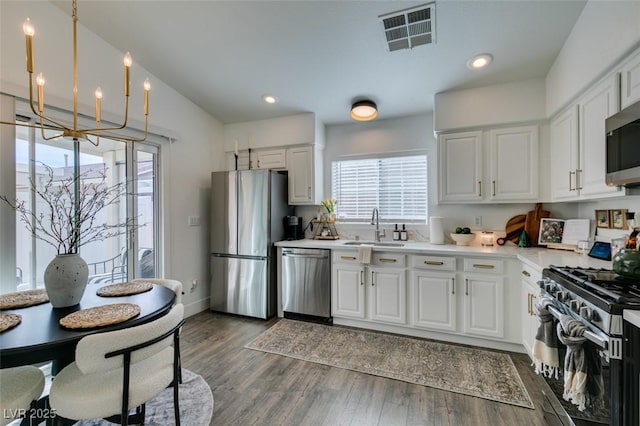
(65, 279)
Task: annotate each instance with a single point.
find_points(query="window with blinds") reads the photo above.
(397, 186)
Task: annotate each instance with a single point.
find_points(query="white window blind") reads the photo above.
(397, 186)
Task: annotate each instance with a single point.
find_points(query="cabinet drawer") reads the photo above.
(345, 257)
(530, 274)
(491, 266)
(438, 263)
(388, 259)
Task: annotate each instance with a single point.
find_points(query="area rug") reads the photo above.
(484, 374)
(196, 405)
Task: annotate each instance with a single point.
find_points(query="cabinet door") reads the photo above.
(460, 167)
(301, 173)
(630, 81)
(595, 106)
(514, 163)
(347, 291)
(434, 300)
(484, 305)
(388, 295)
(564, 155)
(271, 159)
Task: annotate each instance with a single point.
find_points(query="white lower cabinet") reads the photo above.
(434, 300)
(374, 292)
(528, 299)
(483, 305)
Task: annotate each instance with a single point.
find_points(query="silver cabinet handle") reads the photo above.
(453, 286)
(433, 262)
(494, 188)
(361, 277)
(479, 188)
(348, 257)
(387, 260)
(372, 279)
(570, 188)
(526, 273)
(483, 266)
(309, 191)
(466, 286)
(578, 179)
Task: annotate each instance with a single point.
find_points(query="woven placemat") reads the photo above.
(23, 299)
(100, 316)
(124, 289)
(8, 321)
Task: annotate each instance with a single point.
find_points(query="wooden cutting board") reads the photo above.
(514, 227)
(532, 223)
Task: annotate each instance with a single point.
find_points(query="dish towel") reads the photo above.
(582, 379)
(364, 254)
(545, 346)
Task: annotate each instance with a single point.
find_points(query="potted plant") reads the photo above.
(330, 205)
(67, 223)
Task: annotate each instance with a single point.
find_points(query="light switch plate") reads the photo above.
(194, 220)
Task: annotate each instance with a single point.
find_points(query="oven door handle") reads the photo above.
(589, 335)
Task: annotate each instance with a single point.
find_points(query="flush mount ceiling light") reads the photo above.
(480, 61)
(270, 99)
(364, 111)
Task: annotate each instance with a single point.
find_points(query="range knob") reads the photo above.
(575, 306)
(541, 283)
(586, 313)
(562, 295)
(550, 288)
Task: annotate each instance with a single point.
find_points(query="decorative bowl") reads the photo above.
(463, 239)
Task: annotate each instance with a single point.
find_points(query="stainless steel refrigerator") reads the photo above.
(247, 212)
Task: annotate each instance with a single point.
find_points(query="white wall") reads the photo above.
(604, 33)
(186, 163)
(412, 134)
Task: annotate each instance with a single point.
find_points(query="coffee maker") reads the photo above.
(293, 228)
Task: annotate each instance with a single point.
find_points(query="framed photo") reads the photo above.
(618, 218)
(550, 231)
(602, 219)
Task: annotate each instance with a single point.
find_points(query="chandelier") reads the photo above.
(76, 133)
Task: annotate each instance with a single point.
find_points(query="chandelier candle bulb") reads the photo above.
(98, 103)
(127, 65)
(147, 87)
(40, 82)
(29, 31)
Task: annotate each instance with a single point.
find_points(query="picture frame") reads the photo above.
(618, 218)
(551, 231)
(602, 219)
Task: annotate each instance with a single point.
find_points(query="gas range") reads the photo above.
(596, 296)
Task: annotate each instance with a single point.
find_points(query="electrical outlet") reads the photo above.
(194, 221)
(477, 221)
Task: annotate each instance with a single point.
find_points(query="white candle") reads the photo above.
(236, 147)
(249, 142)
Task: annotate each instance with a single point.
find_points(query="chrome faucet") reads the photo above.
(375, 216)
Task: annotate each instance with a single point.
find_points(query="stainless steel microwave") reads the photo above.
(623, 147)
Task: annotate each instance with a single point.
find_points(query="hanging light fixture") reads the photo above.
(364, 110)
(60, 130)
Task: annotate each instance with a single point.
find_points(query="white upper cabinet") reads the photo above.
(304, 164)
(509, 174)
(630, 81)
(578, 145)
(514, 163)
(460, 167)
(270, 159)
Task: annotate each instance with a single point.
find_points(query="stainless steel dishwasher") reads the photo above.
(306, 283)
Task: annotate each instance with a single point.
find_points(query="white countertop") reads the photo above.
(537, 257)
(632, 316)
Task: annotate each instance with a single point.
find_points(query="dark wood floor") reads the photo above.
(256, 388)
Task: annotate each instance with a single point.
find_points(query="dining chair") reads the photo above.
(20, 387)
(174, 285)
(117, 371)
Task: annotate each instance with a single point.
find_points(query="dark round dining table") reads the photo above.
(40, 338)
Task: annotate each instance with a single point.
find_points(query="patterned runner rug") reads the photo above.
(481, 373)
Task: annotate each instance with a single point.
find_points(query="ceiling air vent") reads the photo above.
(406, 29)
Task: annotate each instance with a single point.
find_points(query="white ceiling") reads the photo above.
(319, 56)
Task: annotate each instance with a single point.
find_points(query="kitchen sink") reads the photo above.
(373, 243)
